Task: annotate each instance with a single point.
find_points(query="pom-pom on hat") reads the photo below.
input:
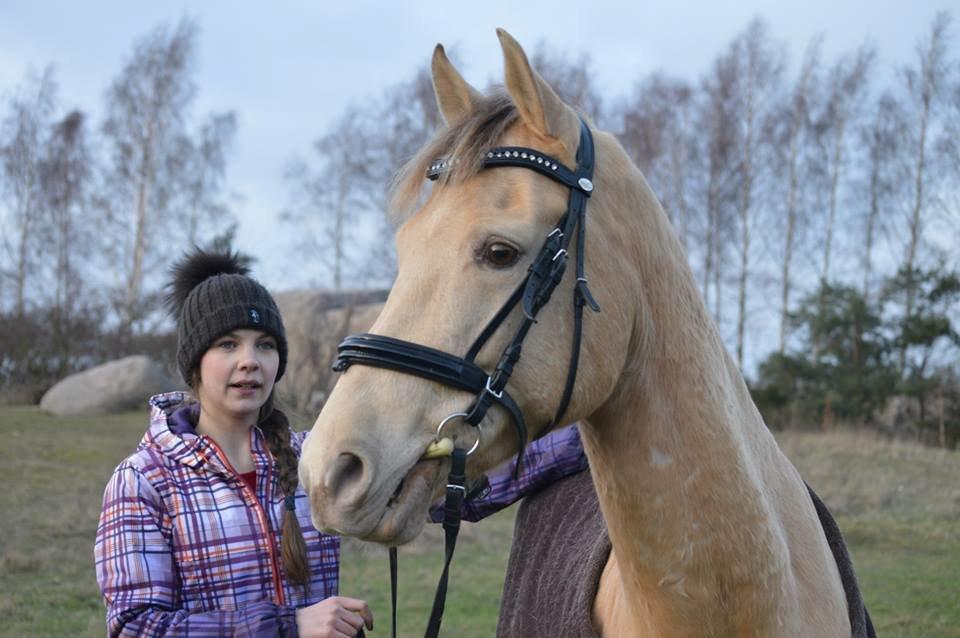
(211, 295)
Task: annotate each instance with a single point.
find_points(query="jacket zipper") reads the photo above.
(262, 517)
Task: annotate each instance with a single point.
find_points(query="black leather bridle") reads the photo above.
(543, 276)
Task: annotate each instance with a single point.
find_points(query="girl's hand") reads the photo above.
(334, 617)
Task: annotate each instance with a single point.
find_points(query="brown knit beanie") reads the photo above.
(210, 296)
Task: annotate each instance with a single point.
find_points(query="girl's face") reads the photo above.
(237, 374)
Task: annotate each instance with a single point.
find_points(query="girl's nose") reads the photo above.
(249, 359)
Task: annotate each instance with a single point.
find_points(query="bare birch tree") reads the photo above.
(65, 175)
(791, 134)
(847, 81)
(407, 116)
(949, 148)
(880, 139)
(204, 171)
(145, 120)
(926, 85)
(759, 68)
(571, 77)
(655, 129)
(341, 193)
(717, 115)
(23, 135)
(328, 199)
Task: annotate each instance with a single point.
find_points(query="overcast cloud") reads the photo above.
(289, 70)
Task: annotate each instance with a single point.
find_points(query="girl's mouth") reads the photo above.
(246, 388)
(246, 385)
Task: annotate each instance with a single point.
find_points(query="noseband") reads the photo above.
(462, 373)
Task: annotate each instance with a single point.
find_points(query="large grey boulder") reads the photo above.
(316, 322)
(117, 386)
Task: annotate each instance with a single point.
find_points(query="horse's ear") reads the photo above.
(455, 97)
(540, 107)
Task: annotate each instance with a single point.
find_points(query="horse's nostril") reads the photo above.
(343, 480)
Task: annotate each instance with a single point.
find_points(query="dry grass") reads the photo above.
(898, 504)
(860, 474)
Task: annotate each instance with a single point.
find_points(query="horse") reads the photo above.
(713, 530)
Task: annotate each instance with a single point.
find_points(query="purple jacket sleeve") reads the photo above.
(546, 460)
(137, 575)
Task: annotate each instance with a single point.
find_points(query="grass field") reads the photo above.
(898, 504)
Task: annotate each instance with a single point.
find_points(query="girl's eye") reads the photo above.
(227, 344)
(268, 345)
(500, 254)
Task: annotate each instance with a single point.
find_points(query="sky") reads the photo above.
(289, 69)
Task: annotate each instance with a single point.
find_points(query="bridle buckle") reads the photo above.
(495, 393)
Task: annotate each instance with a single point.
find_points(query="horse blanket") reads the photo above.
(560, 547)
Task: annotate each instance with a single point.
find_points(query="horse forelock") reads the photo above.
(467, 141)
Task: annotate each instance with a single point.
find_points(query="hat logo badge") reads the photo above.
(254, 316)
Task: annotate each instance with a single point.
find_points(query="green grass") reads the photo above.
(476, 579)
(898, 504)
(53, 471)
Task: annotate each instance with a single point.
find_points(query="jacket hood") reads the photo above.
(172, 433)
(173, 417)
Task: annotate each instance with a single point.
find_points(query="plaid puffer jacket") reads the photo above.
(185, 548)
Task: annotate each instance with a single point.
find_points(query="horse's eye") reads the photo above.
(500, 254)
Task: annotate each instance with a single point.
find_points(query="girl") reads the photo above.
(204, 530)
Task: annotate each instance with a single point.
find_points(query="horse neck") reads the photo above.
(675, 455)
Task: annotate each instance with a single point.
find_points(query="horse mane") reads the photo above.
(465, 143)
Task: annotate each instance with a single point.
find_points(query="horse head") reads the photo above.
(462, 249)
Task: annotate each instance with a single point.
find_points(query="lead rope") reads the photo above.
(393, 592)
(452, 508)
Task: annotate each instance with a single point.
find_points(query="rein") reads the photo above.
(462, 373)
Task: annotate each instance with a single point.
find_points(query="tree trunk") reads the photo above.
(679, 188)
(338, 238)
(943, 431)
(135, 280)
(933, 78)
(708, 256)
(798, 117)
(745, 204)
(871, 224)
(23, 252)
(26, 231)
(742, 296)
(832, 209)
(915, 220)
(788, 243)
